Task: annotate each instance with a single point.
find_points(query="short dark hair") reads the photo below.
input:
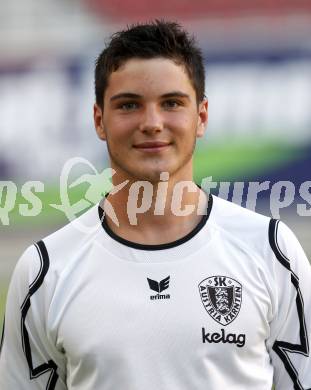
(151, 40)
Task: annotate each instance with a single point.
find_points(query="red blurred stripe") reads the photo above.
(176, 9)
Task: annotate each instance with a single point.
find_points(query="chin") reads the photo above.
(153, 174)
(148, 172)
(152, 177)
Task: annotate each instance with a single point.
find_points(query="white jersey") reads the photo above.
(226, 307)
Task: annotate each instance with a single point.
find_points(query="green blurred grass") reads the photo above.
(48, 214)
(242, 160)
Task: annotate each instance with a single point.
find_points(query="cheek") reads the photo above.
(119, 128)
(184, 124)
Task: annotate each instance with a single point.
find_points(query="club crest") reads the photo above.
(222, 297)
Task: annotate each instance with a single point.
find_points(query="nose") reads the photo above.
(151, 121)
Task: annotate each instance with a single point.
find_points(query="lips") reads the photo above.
(151, 145)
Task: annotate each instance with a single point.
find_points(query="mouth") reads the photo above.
(152, 146)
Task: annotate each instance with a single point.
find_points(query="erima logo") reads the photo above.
(159, 287)
(224, 338)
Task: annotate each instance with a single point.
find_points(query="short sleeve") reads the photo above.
(291, 326)
(26, 361)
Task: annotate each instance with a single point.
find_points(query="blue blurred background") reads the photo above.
(258, 58)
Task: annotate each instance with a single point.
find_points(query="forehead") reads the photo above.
(149, 76)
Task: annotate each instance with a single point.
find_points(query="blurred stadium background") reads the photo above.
(258, 56)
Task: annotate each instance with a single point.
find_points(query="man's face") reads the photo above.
(150, 120)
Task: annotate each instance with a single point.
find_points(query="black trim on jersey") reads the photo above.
(35, 372)
(281, 348)
(2, 335)
(153, 247)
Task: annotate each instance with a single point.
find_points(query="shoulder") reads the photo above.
(53, 253)
(74, 236)
(241, 224)
(287, 249)
(223, 210)
(268, 238)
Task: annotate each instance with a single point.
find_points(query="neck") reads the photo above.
(155, 213)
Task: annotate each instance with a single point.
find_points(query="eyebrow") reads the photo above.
(176, 94)
(130, 95)
(124, 95)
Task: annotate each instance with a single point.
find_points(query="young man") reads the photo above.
(170, 298)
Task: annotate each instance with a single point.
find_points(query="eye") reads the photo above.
(171, 104)
(128, 106)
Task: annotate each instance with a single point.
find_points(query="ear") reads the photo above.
(98, 122)
(203, 118)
